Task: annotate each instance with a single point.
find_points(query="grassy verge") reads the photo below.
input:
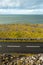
(30, 31)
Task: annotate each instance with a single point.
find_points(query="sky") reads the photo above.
(21, 6)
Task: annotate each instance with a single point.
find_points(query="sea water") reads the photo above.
(21, 19)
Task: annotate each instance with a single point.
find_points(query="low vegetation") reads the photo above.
(21, 31)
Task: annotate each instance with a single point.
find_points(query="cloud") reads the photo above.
(16, 11)
(9, 3)
(21, 6)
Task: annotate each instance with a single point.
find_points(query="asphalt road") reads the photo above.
(21, 47)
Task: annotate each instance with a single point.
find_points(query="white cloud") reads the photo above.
(21, 7)
(9, 3)
(21, 11)
(21, 4)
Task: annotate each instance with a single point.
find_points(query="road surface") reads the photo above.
(21, 47)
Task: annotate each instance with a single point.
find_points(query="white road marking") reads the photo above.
(33, 46)
(13, 46)
(0, 46)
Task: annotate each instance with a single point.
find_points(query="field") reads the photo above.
(27, 31)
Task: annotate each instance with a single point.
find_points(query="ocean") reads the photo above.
(21, 19)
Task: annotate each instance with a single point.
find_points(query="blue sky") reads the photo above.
(21, 6)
